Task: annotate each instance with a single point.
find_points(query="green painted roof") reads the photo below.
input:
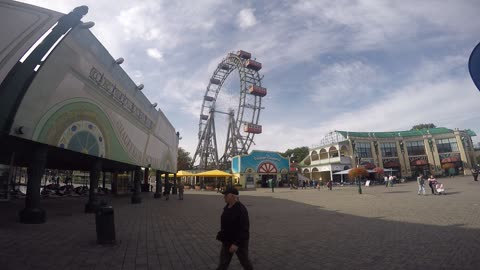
(407, 133)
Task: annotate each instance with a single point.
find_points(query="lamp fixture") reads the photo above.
(87, 25)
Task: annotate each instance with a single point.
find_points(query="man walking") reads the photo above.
(234, 231)
(421, 184)
(168, 187)
(475, 174)
(181, 188)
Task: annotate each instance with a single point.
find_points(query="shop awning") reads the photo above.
(419, 162)
(450, 160)
(391, 164)
(347, 171)
(368, 165)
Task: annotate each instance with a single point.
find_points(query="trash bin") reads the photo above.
(105, 225)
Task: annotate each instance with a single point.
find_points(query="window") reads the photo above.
(416, 148)
(333, 152)
(447, 145)
(389, 149)
(364, 150)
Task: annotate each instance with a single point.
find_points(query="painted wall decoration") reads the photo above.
(83, 101)
(261, 162)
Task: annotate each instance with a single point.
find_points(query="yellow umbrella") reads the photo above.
(214, 173)
(181, 173)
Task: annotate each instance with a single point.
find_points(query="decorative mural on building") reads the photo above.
(261, 161)
(90, 105)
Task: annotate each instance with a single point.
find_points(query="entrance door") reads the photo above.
(266, 177)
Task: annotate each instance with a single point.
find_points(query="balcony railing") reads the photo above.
(342, 160)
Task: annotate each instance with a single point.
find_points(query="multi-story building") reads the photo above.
(438, 151)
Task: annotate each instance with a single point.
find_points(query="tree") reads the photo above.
(354, 173)
(299, 153)
(379, 171)
(423, 126)
(184, 161)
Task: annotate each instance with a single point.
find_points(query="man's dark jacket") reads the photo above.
(235, 225)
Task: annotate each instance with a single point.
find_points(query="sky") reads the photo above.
(353, 65)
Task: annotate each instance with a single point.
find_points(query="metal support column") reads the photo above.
(174, 190)
(32, 213)
(158, 183)
(95, 170)
(137, 185)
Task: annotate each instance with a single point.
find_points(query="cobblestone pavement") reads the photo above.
(384, 228)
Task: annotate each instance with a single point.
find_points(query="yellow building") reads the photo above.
(438, 151)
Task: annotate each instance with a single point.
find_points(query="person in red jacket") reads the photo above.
(234, 231)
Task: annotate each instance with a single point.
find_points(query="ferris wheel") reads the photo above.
(242, 113)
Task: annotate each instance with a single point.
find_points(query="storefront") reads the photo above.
(257, 168)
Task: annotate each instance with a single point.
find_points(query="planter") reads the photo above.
(187, 187)
(210, 188)
(197, 187)
(238, 187)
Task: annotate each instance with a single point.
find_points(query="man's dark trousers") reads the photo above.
(242, 254)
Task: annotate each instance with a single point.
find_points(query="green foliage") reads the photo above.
(299, 153)
(423, 126)
(184, 161)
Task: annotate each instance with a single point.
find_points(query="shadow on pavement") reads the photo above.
(181, 235)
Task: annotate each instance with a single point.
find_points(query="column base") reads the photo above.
(91, 207)
(145, 188)
(157, 195)
(33, 216)
(136, 199)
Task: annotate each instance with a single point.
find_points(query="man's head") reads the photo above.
(230, 195)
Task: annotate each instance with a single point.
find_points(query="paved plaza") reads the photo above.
(384, 228)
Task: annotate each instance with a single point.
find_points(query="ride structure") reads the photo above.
(246, 114)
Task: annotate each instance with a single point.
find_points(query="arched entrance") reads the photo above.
(267, 170)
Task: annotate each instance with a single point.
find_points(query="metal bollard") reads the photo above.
(105, 225)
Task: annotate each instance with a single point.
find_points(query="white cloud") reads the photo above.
(342, 83)
(155, 53)
(394, 53)
(246, 18)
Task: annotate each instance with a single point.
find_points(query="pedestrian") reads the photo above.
(218, 187)
(421, 184)
(475, 174)
(168, 186)
(431, 183)
(386, 180)
(181, 187)
(390, 181)
(234, 231)
(329, 184)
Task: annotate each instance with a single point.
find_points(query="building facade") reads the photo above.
(258, 167)
(438, 151)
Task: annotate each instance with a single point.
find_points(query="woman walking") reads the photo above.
(168, 187)
(431, 183)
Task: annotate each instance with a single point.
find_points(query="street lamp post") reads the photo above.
(430, 143)
(357, 163)
(402, 149)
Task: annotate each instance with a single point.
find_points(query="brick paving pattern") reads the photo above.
(384, 228)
